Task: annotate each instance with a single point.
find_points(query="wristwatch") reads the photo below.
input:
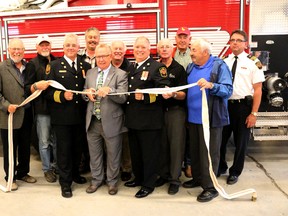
(254, 113)
(35, 86)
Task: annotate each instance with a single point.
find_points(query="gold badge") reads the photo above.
(163, 72)
(83, 74)
(259, 65)
(144, 75)
(48, 68)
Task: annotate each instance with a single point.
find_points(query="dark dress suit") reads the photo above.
(12, 92)
(144, 118)
(67, 116)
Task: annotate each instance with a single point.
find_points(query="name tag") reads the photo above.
(62, 71)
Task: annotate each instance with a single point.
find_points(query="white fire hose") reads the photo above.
(206, 128)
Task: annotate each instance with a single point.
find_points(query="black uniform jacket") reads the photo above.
(65, 112)
(146, 114)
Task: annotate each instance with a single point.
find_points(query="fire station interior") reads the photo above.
(265, 172)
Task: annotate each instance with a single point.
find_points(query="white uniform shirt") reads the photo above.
(247, 74)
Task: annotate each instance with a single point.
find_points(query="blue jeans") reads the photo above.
(47, 141)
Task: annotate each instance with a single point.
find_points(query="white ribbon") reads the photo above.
(10, 143)
(206, 129)
(205, 121)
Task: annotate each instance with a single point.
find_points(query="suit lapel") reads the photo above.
(109, 76)
(13, 72)
(95, 76)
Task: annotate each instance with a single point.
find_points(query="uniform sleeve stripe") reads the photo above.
(152, 98)
(57, 96)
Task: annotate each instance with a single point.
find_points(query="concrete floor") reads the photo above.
(266, 170)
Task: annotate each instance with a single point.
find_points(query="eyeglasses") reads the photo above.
(103, 56)
(237, 40)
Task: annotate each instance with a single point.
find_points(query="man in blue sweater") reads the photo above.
(213, 75)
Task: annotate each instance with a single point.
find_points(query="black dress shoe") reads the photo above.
(207, 195)
(79, 180)
(126, 176)
(191, 184)
(66, 192)
(131, 184)
(232, 179)
(160, 181)
(143, 192)
(221, 172)
(173, 189)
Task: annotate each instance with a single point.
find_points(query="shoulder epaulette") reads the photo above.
(256, 60)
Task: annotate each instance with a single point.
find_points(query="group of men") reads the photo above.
(140, 133)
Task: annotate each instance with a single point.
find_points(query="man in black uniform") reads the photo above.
(67, 112)
(174, 133)
(144, 117)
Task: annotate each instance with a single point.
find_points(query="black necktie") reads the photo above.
(234, 68)
(73, 67)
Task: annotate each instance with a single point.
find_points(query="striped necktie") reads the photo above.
(99, 84)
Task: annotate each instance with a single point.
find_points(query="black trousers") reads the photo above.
(199, 153)
(144, 149)
(21, 147)
(173, 144)
(68, 152)
(238, 113)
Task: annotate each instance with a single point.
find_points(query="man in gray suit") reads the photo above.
(12, 93)
(105, 119)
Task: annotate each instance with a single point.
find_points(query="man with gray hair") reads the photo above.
(105, 119)
(12, 93)
(68, 112)
(174, 133)
(213, 75)
(144, 117)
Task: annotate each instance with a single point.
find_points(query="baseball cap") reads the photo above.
(183, 30)
(42, 38)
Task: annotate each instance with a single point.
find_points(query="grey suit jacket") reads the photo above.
(11, 92)
(112, 114)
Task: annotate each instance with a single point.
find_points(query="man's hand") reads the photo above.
(42, 84)
(103, 91)
(68, 95)
(139, 95)
(204, 84)
(251, 121)
(12, 108)
(92, 94)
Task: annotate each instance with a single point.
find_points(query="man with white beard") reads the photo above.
(35, 79)
(12, 76)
